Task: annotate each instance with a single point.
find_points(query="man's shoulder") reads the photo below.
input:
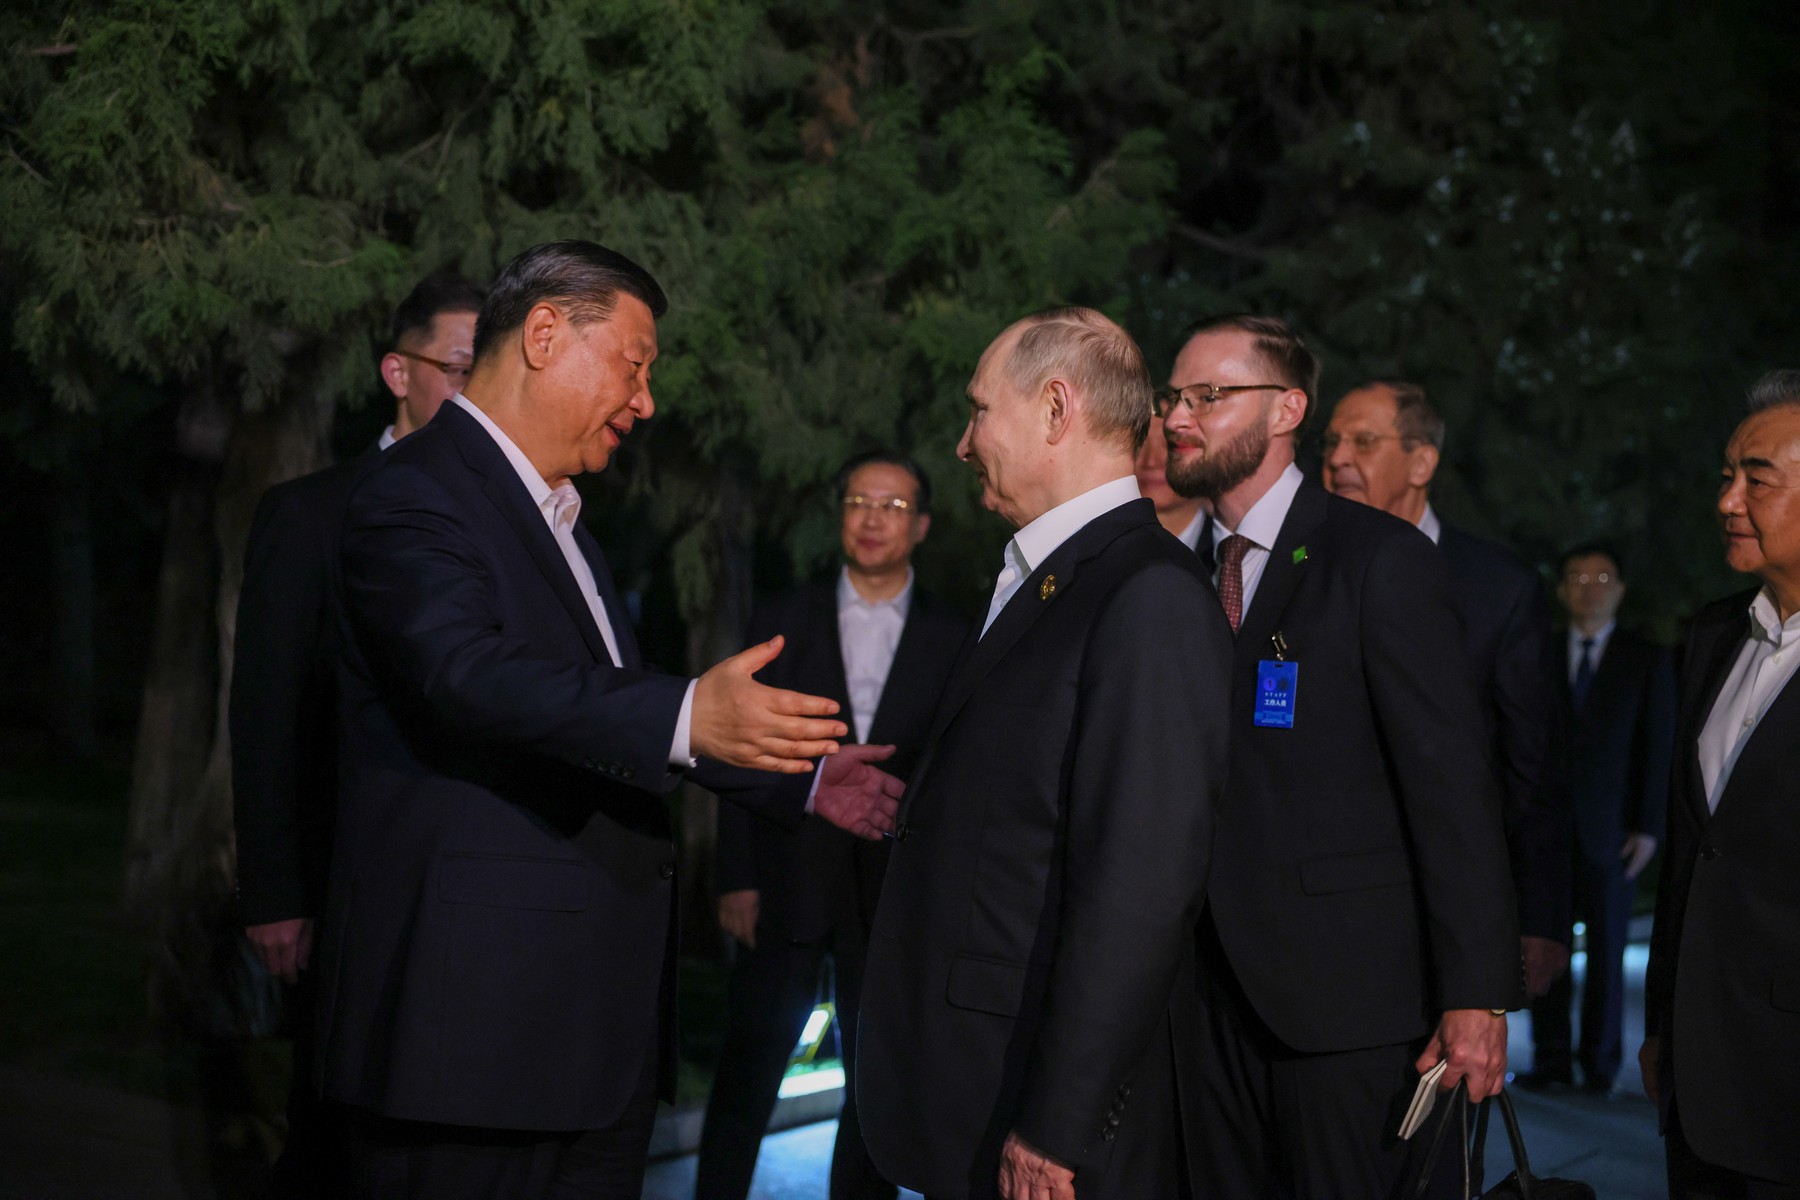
(423, 462)
(1485, 566)
(1726, 610)
(1358, 532)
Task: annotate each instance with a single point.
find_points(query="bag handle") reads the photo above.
(1460, 1102)
(1478, 1151)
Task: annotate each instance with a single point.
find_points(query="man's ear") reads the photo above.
(1059, 411)
(1423, 467)
(1290, 412)
(395, 372)
(544, 325)
(921, 527)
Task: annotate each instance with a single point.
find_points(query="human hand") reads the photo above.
(738, 912)
(857, 796)
(748, 724)
(1638, 850)
(1545, 960)
(1474, 1042)
(283, 947)
(1648, 1054)
(1029, 1174)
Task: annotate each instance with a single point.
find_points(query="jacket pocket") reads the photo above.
(1354, 872)
(1784, 993)
(502, 881)
(988, 985)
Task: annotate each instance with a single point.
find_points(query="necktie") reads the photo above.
(1231, 577)
(1584, 673)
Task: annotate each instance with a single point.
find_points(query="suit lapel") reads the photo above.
(1713, 657)
(1772, 737)
(908, 662)
(629, 656)
(507, 492)
(1284, 570)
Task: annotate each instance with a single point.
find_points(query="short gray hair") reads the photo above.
(1089, 351)
(1775, 389)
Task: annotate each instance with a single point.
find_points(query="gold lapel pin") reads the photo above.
(1047, 588)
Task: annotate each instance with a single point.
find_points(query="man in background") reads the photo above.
(1360, 925)
(283, 709)
(1382, 449)
(1616, 714)
(1183, 516)
(1722, 996)
(882, 648)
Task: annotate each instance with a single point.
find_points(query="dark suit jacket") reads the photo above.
(1723, 989)
(1360, 883)
(1619, 746)
(1506, 623)
(283, 711)
(819, 880)
(1043, 896)
(496, 944)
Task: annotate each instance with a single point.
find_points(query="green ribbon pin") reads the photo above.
(1299, 555)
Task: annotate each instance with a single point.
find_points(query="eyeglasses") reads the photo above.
(1584, 577)
(1362, 443)
(1201, 397)
(881, 506)
(455, 372)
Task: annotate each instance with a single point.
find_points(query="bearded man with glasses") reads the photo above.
(1360, 923)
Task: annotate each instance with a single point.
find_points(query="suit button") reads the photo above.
(627, 773)
(590, 764)
(1108, 1134)
(1124, 1091)
(668, 870)
(1709, 852)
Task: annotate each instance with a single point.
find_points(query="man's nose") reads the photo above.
(962, 443)
(643, 404)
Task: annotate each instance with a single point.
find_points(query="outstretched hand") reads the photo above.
(856, 795)
(749, 724)
(1474, 1041)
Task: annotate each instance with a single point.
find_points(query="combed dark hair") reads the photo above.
(1593, 546)
(1087, 349)
(585, 278)
(1775, 389)
(1416, 419)
(1280, 347)
(886, 458)
(443, 292)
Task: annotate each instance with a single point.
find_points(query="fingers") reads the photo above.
(865, 753)
(799, 704)
(303, 948)
(749, 662)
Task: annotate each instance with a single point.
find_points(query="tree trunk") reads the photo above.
(180, 865)
(716, 623)
(72, 725)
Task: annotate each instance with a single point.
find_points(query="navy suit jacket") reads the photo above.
(1506, 626)
(1723, 988)
(1619, 747)
(497, 944)
(820, 881)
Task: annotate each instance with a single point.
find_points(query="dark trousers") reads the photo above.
(390, 1159)
(771, 995)
(1603, 901)
(1692, 1178)
(1270, 1121)
(312, 1157)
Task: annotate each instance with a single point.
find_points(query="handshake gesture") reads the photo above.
(749, 724)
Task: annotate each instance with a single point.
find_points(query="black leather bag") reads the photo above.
(1521, 1184)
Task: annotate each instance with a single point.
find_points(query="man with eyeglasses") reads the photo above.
(1360, 925)
(283, 696)
(883, 648)
(1382, 448)
(1616, 722)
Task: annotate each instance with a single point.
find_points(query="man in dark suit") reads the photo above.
(283, 693)
(1047, 871)
(495, 958)
(1616, 714)
(1382, 448)
(882, 649)
(1360, 925)
(1722, 998)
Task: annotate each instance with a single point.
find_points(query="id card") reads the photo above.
(1277, 686)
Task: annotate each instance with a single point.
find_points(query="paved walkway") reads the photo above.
(68, 1141)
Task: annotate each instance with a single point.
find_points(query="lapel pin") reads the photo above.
(1299, 555)
(1279, 641)
(1047, 588)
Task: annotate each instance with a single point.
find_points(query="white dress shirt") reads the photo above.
(386, 439)
(1262, 525)
(1576, 637)
(561, 508)
(1430, 526)
(869, 634)
(1763, 668)
(1190, 537)
(1037, 541)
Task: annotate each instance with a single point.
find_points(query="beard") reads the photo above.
(1212, 475)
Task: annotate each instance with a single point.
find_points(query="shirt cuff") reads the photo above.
(681, 749)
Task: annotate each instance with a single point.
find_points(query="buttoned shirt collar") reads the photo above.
(1766, 624)
(1262, 524)
(387, 438)
(1039, 540)
(1190, 537)
(1429, 525)
(848, 597)
(528, 474)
